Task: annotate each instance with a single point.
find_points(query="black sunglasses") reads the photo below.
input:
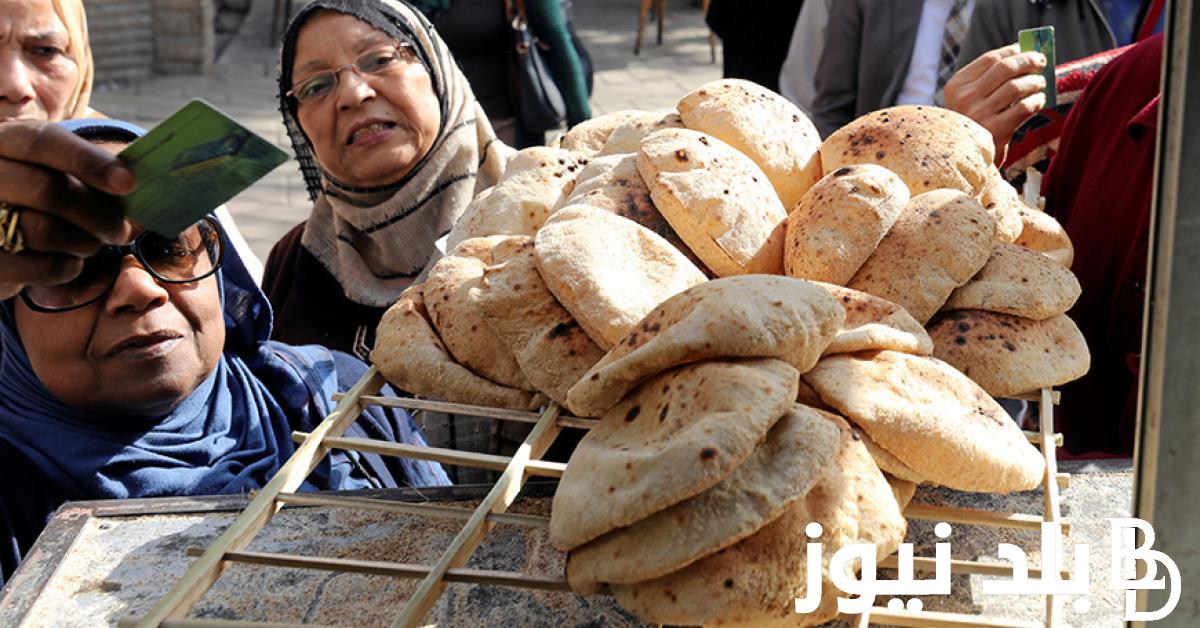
(193, 255)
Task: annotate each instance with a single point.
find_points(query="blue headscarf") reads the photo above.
(229, 436)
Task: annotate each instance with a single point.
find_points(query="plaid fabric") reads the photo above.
(952, 38)
(1036, 141)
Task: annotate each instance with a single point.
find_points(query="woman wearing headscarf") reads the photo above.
(151, 374)
(392, 146)
(46, 75)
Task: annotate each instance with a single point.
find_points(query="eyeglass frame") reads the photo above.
(353, 65)
(134, 248)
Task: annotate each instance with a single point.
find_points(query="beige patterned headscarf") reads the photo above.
(377, 241)
(75, 20)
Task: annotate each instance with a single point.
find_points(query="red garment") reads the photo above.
(1099, 186)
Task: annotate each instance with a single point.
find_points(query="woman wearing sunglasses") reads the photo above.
(392, 145)
(150, 374)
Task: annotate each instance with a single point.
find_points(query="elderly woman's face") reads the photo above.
(139, 350)
(370, 129)
(37, 78)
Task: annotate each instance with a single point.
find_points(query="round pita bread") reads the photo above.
(1041, 232)
(627, 137)
(717, 200)
(763, 125)
(902, 490)
(928, 147)
(612, 183)
(1009, 355)
(939, 242)
(755, 582)
(456, 317)
(873, 323)
(746, 317)
(783, 468)
(838, 224)
(412, 357)
(1003, 204)
(551, 348)
(932, 418)
(533, 182)
(1020, 282)
(589, 136)
(676, 436)
(890, 464)
(607, 271)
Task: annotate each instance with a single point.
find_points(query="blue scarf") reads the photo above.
(229, 436)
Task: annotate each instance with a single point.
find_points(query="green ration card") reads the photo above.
(1041, 39)
(190, 164)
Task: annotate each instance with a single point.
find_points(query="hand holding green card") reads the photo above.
(1041, 39)
(190, 164)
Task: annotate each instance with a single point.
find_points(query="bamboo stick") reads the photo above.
(977, 517)
(399, 570)
(1036, 438)
(498, 499)
(539, 468)
(1036, 395)
(425, 509)
(205, 571)
(412, 403)
(1050, 493)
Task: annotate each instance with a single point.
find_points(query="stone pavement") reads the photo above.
(243, 85)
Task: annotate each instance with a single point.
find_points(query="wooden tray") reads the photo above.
(173, 608)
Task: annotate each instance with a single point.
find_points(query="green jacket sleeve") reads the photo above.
(548, 24)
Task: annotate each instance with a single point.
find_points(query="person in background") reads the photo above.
(1099, 186)
(993, 86)
(392, 146)
(880, 54)
(61, 186)
(798, 75)
(151, 374)
(755, 35)
(478, 35)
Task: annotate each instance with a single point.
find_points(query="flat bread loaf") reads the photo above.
(628, 136)
(717, 199)
(763, 125)
(795, 454)
(456, 317)
(873, 323)
(588, 137)
(756, 581)
(928, 147)
(1003, 204)
(551, 348)
(746, 317)
(612, 183)
(674, 437)
(1008, 355)
(609, 272)
(412, 357)
(1042, 233)
(939, 242)
(839, 222)
(1018, 281)
(932, 418)
(519, 204)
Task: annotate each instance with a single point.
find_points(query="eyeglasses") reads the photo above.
(194, 255)
(378, 61)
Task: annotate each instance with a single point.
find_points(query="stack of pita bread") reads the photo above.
(770, 330)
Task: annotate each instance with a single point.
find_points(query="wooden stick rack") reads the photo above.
(172, 609)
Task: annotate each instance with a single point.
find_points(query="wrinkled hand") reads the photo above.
(1000, 90)
(63, 185)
